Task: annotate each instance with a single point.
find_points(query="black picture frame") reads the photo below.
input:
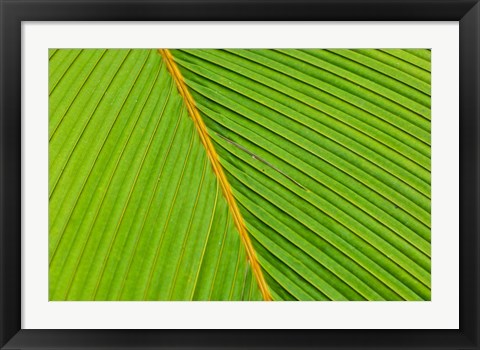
(13, 12)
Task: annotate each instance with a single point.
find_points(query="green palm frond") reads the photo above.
(326, 155)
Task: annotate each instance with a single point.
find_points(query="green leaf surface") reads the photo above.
(327, 153)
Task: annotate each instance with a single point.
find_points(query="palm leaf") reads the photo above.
(240, 175)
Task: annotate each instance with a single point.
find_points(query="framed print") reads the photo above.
(247, 174)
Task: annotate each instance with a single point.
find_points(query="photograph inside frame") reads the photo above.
(239, 174)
